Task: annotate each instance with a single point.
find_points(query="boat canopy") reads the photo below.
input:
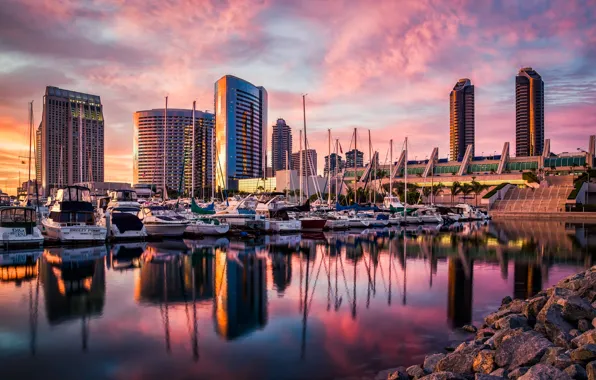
(73, 194)
(12, 215)
(123, 196)
(202, 210)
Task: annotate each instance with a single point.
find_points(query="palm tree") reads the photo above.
(466, 190)
(427, 191)
(477, 188)
(437, 189)
(455, 189)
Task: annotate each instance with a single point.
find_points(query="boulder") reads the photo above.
(573, 282)
(576, 308)
(544, 372)
(483, 376)
(556, 357)
(576, 371)
(583, 325)
(490, 319)
(506, 300)
(594, 322)
(518, 372)
(500, 373)
(398, 373)
(586, 353)
(523, 349)
(591, 370)
(484, 333)
(533, 307)
(551, 323)
(469, 328)
(460, 361)
(484, 362)
(574, 333)
(512, 321)
(430, 362)
(415, 372)
(585, 338)
(496, 340)
(443, 376)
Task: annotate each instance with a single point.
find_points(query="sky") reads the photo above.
(386, 66)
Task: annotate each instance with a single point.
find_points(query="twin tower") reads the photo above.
(529, 115)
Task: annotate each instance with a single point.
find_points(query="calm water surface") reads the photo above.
(295, 307)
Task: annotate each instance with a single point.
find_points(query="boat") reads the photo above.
(18, 228)
(467, 212)
(312, 223)
(207, 226)
(5, 200)
(160, 221)
(428, 215)
(120, 216)
(392, 201)
(71, 217)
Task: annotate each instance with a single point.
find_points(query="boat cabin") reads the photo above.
(18, 217)
(73, 206)
(5, 200)
(123, 196)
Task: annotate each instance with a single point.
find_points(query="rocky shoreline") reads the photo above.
(549, 336)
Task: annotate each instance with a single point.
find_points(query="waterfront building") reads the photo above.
(70, 139)
(148, 150)
(281, 145)
(241, 131)
(350, 158)
(309, 162)
(332, 162)
(460, 284)
(461, 119)
(529, 113)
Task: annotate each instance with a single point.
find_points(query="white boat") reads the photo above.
(334, 223)
(391, 201)
(120, 216)
(467, 212)
(71, 218)
(207, 226)
(290, 225)
(161, 221)
(429, 215)
(18, 228)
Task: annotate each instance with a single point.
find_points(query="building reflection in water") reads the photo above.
(240, 304)
(281, 270)
(19, 266)
(459, 306)
(527, 279)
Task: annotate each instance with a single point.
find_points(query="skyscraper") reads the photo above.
(529, 113)
(148, 149)
(350, 159)
(281, 145)
(311, 156)
(72, 138)
(332, 162)
(241, 131)
(461, 118)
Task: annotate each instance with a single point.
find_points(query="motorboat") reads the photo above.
(161, 221)
(467, 212)
(392, 201)
(312, 223)
(5, 200)
(120, 216)
(370, 220)
(71, 217)
(428, 215)
(18, 228)
(207, 226)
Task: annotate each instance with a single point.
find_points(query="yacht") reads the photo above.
(467, 212)
(18, 227)
(207, 226)
(428, 215)
(161, 221)
(120, 216)
(71, 217)
(392, 201)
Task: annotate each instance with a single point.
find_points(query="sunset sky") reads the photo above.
(387, 66)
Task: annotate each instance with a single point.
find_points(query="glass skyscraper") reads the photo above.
(281, 146)
(461, 119)
(529, 113)
(241, 131)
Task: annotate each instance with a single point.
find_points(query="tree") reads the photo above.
(455, 189)
(466, 190)
(437, 189)
(427, 191)
(477, 188)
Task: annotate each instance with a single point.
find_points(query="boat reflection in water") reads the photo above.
(328, 305)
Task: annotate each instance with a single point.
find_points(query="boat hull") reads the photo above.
(285, 225)
(313, 224)
(207, 229)
(12, 238)
(166, 229)
(74, 234)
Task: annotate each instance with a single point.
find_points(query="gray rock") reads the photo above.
(551, 323)
(557, 357)
(496, 340)
(460, 361)
(533, 307)
(574, 333)
(415, 372)
(512, 321)
(518, 372)
(443, 376)
(501, 373)
(594, 322)
(591, 370)
(493, 317)
(583, 325)
(483, 376)
(506, 300)
(576, 371)
(485, 332)
(430, 362)
(524, 349)
(484, 362)
(469, 328)
(544, 372)
(585, 338)
(576, 308)
(586, 353)
(398, 373)
(573, 282)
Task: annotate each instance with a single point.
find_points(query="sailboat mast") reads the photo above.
(192, 146)
(329, 168)
(165, 137)
(355, 159)
(300, 159)
(287, 173)
(305, 141)
(30, 140)
(405, 177)
(336, 168)
(81, 143)
(371, 165)
(390, 169)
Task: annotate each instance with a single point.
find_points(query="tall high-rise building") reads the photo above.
(72, 138)
(461, 118)
(148, 149)
(310, 165)
(240, 130)
(529, 113)
(332, 162)
(38, 155)
(350, 158)
(281, 145)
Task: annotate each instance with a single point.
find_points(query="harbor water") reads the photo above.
(320, 306)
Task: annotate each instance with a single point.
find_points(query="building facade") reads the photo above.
(309, 162)
(461, 119)
(359, 157)
(71, 139)
(148, 149)
(281, 146)
(241, 131)
(529, 113)
(332, 162)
